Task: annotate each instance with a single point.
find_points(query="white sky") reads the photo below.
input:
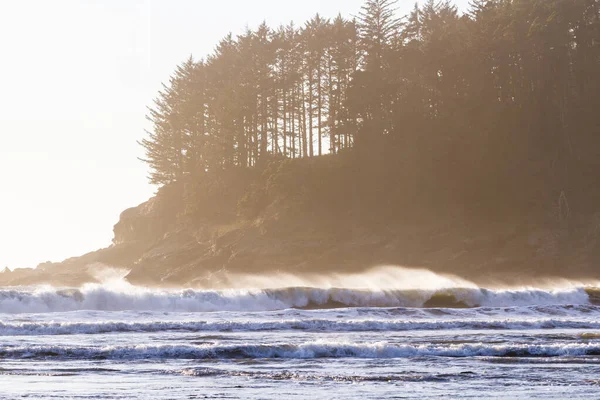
(75, 79)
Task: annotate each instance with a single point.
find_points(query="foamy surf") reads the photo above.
(309, 325)
(308, 350)
(317, 330)
(106, 298)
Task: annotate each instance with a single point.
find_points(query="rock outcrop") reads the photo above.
(157, 248)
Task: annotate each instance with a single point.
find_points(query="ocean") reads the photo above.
(101, 341)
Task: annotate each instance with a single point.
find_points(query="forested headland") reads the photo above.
(495, 110)
(465, 142)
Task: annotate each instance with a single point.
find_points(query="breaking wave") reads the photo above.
(311, 325)
(308, 350)
(107, 298)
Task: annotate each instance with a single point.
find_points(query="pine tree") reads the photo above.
(167, 145)
(378, 25)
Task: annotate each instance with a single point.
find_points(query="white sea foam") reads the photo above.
(380, 287)
(308, 350)
(99, 297)
(312, 325)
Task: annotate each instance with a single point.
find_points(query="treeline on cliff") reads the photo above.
(495, 109)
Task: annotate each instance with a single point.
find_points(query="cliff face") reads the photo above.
(138, 229)
(149, 221)
(499, 252)
(159, 244)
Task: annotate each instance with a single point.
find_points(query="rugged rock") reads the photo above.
(157, 250)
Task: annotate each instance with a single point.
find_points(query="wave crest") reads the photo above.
(308, 350)
(304, 324)
(106, 298)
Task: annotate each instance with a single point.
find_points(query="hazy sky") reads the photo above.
(75, 79)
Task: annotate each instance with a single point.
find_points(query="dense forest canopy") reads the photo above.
(498, 103)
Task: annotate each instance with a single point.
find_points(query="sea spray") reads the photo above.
(102, 298)
(380, 287)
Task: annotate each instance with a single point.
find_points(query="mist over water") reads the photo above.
(380, 287)
(378, 278)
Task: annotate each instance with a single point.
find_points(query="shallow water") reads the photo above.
(100, 343)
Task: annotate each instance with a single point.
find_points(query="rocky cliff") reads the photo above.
(310, 230)
(205, 257)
